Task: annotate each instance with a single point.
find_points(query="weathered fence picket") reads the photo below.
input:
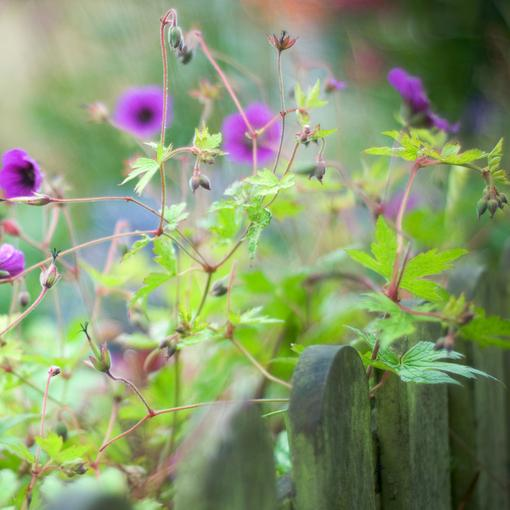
(329, 431)
(412, 443)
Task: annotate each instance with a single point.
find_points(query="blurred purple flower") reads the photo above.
(332, 85)
(139, 111)
(12, 261)
(391, 207)
(239, 146)
(413, 93)
(410, 88)
(20, 175)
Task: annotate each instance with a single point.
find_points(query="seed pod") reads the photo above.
(492, 205)
(219, 289)
(194, 182)
(481, 207)
(205, 182)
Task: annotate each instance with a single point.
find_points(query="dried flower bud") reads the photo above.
(23, 298)
(11, 227)
(97, 112)
(282, 42)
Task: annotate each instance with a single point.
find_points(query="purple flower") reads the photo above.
(12, 261)
(333, 85)
(410, 88)
(20, 175)
(239, 146)
(139, 111)
(413, 93)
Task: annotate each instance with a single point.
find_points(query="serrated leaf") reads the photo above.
(51, 444)
(16, 447)
(150, 283)
(143, 169)
(136, 247)
(319, 134)
(205, 140)
(423, 363)
(487, 330)
(383, 248)
(253, 317)
(174, 214)
(164, 252)
(260, 219)
(267, 183)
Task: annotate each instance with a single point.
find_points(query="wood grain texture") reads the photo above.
(412, 437)
(329, 431)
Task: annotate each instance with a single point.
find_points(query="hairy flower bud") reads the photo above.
(53, 371)
(194, 182)
(97, 112)
(219, 289)
(205, 182)
(36, 199)
(493, 206)
(175, 37)
(319, 171)
(481, 206)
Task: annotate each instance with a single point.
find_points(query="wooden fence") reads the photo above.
(413, 447)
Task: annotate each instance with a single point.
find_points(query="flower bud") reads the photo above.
(32, 200)
(73, 468)
(53, 371)
(101, 362)
(61, 430)
(11, 227)
(23, 298)
(175, 37)
(185, 54)
(97, 112)
(50, 276)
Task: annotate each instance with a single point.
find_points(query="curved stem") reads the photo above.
(204, 295)
(133, 387)
(224, 79)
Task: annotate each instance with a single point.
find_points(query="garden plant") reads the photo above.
(206, 321)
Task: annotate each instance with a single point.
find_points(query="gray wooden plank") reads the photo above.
(329, 431)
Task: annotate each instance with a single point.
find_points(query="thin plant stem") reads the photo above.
(111, 423)
(283, 112)
(204, 295)
(133, 387)
(139, 423)
(258, 366)
(224, 79)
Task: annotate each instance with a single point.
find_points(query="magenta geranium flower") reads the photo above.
(392, 206)
(12, 261)
(239, 146)
(139, 111)
(20, 175)
(414, 95)
(333, 85)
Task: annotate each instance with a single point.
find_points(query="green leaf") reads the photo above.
(150, 283)
(383, 249)
(425, 264)
(487, 330)
(174, 215)
(319, 134)
(307, 101)
(423, 363)
(164, 252)
(51, 444)
(143, 169)
(16, 447)
(205, 140)
(136, 247)
(260, 219)
(253, 317)
(267, 183)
